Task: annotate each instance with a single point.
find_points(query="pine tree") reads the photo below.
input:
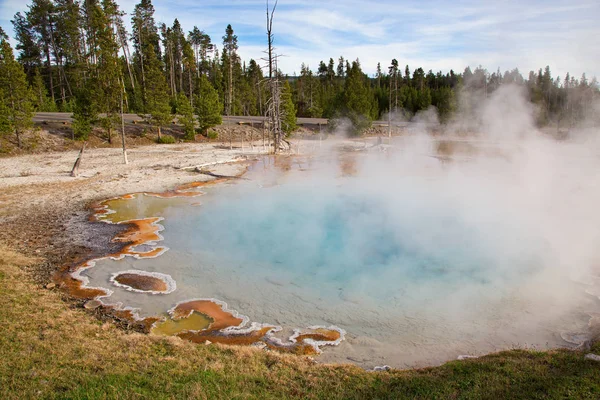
(207, 104)
(255, 77)
(108, 70)
(186, 118)
(29, 50)
(69, 41)
(16, 111)
(357, 100)
(202, 46)
(85, 111)
(41, 102)
(443, 99)
(230, 47)
(189, 69)
(145, 42)
(157, 96)
(40, 18)
(340, 67)
(288, 124)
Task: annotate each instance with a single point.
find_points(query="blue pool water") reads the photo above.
(414, 270)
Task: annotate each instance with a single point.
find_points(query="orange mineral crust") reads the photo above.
(296, 348)
(197, 320)
(73, 286)
(221, 318)
(320, 335)
(142, 231)
(238, 339)
(170, 327)
(142, 282)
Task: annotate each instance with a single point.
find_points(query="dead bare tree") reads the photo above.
(75, 170)
(123, 127)
(274, 113)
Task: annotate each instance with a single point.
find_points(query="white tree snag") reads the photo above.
(274, 112)
(123, 130)
(75, 170)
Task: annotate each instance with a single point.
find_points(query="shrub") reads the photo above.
(212, 134)
(166, 139)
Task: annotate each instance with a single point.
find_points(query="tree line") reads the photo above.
(78, 56)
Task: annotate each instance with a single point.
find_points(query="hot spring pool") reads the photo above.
(416, 268)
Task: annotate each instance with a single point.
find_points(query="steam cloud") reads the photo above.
(465, 238)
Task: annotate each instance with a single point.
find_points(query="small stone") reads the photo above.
(207, 342)
(51, 285)
(92, 304)
(382, 368)
(592, 357)
(260, 345)
(465, 357)
(585, 346)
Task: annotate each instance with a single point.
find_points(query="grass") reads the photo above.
(51, 350)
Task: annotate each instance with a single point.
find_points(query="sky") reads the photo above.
(432, 34)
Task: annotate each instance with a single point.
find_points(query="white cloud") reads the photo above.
(434, 34)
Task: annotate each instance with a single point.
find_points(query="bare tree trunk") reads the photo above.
(180, 67)
(191, 87)
(142, 68)
(230, 101)
(75, 170)
(125, 48)
(61, 70)
(390, 111)
(50, 73)
(274, 114)
(396, 91)
(158, 132)
(171, 70)
(260, 103)
(123, 131)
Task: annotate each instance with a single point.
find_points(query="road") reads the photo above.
(131, 118)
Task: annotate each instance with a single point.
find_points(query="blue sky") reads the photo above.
(435, 34)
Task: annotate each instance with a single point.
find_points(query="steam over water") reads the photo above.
(419, 256)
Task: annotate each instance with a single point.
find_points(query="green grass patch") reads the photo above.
(49, 350)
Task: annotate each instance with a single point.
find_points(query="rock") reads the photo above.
(577, 338)
(51, 285)
(585, 346)
(592, 357)
(465, 357)
(207, 342)
(382, 368)
(260, 345)
(92, 304)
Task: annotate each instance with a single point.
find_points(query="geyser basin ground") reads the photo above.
(417, 265)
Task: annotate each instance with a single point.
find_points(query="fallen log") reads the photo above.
(214, 163)
(209, 173)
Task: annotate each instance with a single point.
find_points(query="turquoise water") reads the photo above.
(340, 238)
(416, 270)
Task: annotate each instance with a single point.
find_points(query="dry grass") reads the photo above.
(50, 350)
